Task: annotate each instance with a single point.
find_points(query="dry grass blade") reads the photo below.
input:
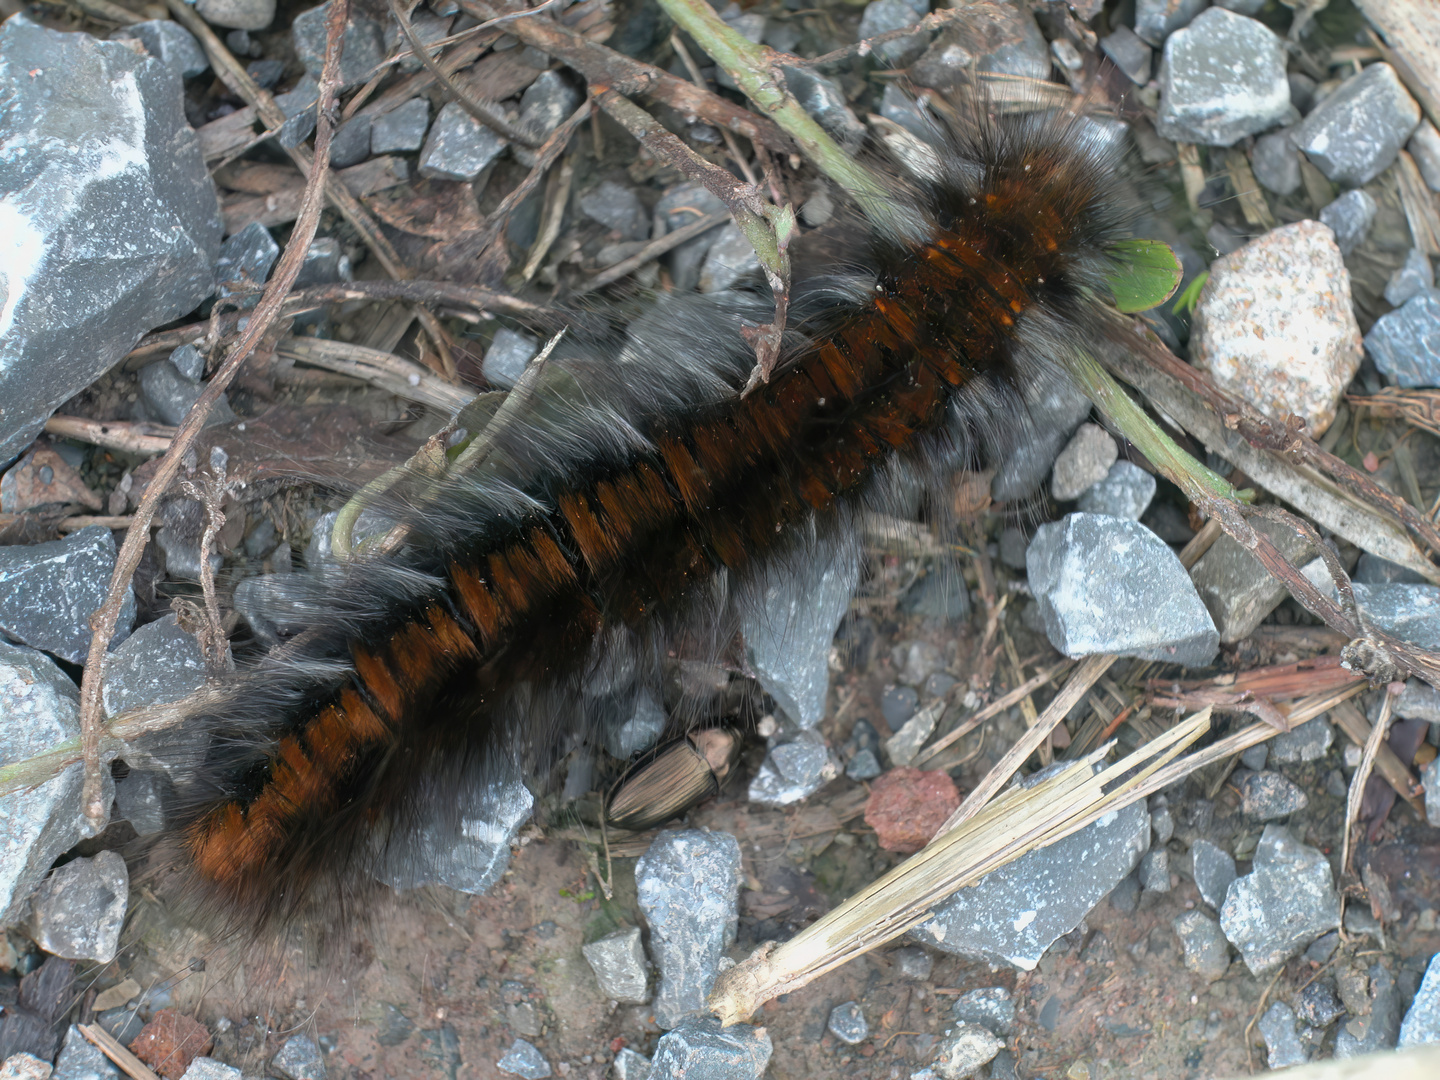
(1362, 775)
(112, 1048)
(996, 707)
(1020, 821)
(1418, 407)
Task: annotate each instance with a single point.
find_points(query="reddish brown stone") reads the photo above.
(170, 1042)
(906, 807)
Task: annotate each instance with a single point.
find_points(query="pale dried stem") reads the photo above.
(1356, 795)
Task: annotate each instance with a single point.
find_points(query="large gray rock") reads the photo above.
(49, 591)
(170, 43)
(793, 770)
(619, 965)
(1222, 78)
(468, 852)
(1106, 585)
(1422, 1022)
(157, 664)
(700, 1049)
(1286, 901)
(459, 146)
(687, 884)
(1236, 589)
(1013, 914)
(789, 617)
(41, 707)
(1409, 612)
(363, 44)
(1355, 133)
(1156, 20)
(79, 910)
(111, 220)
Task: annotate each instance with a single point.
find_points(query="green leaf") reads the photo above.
(1148, 274)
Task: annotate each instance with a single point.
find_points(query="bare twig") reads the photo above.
(105, 11)
(557, 197)
(391, 373)
(654, 250)
(488, 116)
(111, 434)
(102, 623)
(211, 495)
(993, 709)
(699, 80)
(1362, 775)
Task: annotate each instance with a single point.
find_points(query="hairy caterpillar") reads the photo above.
(628, 497)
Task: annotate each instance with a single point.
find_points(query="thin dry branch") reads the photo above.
(654, 250)
(996, 707)
(102, 623)
(1356, 794)
(113, 434)
(393, 374)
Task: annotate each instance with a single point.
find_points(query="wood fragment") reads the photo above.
(1349, 719)
(1356, 793)
(112, 1048)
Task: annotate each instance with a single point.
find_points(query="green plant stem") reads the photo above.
(1199, 483)
(754, 71)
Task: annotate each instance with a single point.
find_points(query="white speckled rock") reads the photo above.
(1275, 324)
(1222, 78)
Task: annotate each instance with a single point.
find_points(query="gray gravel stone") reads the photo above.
(824, 100)
(1308, 742)
(793, 771)
(1214, 870)
(1354, 134)
(509, 353)
(351, 143)
(1410, 612)
(298, 104)
(1125, 492)
(1162, 822)
(700, 1049)
(544, 106)
(883, 16)
(1155, 870)
(1106, 585)
(1425, 149)
(678, 207)
(1236, 589)
(898, 705)
(1422, 1022)
(789, 618)
(962, 1051)
(1275, 324)
(1277, 1028)
(112, 218)
(239, 14)
(207, 1068)
(1275, 162)
(1131, 53)
(687, 883)
(524, 1060)
(363, 44)
(1205, 950)
(244, 263)
(1015, 913)
(1085, 461)
(468, 851)
(1156, 20)
(730, 260)
(1405, 343)
(637, 728)
(1221, 78)
(902, 747)
(1350, 217)
(992, 1007)
(1255, 757)
(26, 1066)
(42, 707)
(847, 1023)
(1054, 410)
(1267, 796)
(1412, 278)
(170, 43)
(79, 910)
(913, 962)
(901, 108)
(139, 799)
(1418, 701)
(80, 1059)
(1317, 1004)
(617, 208)
(169, 397)
(401, 129)
(49, 591)
(629, 1065)
(299, 1059)
(618, 961)
(459, 147)
(1380, 1028)
(1286, 901)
